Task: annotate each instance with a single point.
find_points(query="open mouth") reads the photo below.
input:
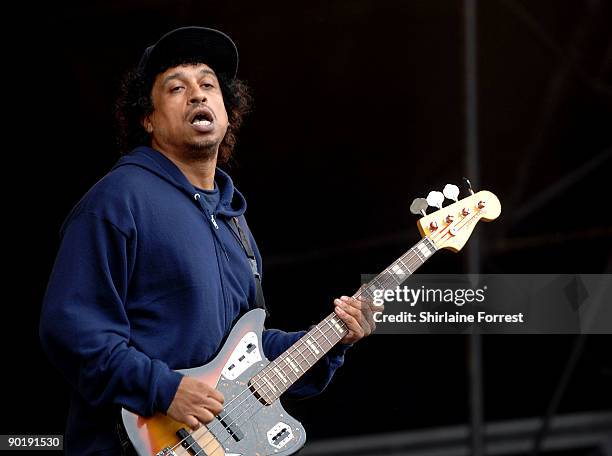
(202, 117)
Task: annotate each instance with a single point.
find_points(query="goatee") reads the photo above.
(203, 150)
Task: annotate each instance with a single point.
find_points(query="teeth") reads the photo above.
(202, 122)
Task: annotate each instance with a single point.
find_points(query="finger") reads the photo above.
(204, 415)
(368, 312)
(363, 296)
(359, 311)
(351, 305)
(208, 391)
(214, 406)
(192, 422)
(351, 322)
(353, 302)
(377, 308)
(216, 395)
(369, 316)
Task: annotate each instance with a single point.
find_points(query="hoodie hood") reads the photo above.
(231, 201)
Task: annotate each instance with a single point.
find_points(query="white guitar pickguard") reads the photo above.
(244, 356)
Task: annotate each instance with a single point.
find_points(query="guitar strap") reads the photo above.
(260, 302)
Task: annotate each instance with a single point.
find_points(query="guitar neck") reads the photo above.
(284, 371)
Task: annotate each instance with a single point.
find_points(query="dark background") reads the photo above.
(359, 108)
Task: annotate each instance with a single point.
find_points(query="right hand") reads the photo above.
(195, 402)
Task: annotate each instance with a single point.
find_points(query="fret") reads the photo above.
(404, 265)
(418, 255)
(328, 341)
(330, 324)
(305, 359)
(395, 277)
(268, 383)
(336, 324)
(292, 366)
(414, 258)
(279, 374)
(432, 247)
(313, 347)
(424, 249)
(369, 289)
(380, 284)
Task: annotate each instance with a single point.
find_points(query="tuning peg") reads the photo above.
(468, 184)
(451, 192)
(418, 206)
(435, 199)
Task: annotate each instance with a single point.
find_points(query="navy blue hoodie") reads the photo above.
(146, 281)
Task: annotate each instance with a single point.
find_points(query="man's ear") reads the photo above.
(147, 124)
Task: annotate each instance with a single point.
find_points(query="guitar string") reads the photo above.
(291, 352)
(442, 233)
(466, 220)
(416, 261)
(327, 331)
(257, 404)
(257, 409)
(415, 258)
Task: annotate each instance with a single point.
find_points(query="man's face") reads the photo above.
(189, 116)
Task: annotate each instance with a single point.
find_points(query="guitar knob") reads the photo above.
(465, 211)
(435, 199)
(418, 206)
(449, 218)
(433, 226)
(451, 192)
(481, 204)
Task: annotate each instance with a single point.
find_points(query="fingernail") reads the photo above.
(337, 301)
(345, 298)
(339, 310)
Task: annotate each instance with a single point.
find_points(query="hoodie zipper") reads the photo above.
(218, 244)
(214, 222)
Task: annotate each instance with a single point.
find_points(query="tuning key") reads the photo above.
(435, 199)
(418, 206)
(468, 184)
(451, 192)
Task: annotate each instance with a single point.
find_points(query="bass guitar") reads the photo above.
(253, 421)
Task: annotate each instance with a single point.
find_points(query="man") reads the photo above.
(150, 274)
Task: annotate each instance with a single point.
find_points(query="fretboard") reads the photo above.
(284, 371)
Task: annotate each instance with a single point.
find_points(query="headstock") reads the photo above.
(450, 227)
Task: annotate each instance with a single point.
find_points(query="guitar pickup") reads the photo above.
(279, 435)
(188, 442)
(230, 426)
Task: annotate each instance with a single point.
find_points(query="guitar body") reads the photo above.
(245, 427)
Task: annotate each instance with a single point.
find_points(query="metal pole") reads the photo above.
(472, 172)
(558, 394)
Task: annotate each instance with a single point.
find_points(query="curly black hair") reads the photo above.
(134, 103)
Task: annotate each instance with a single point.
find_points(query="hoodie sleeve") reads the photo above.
(84, 328)
(316, 379)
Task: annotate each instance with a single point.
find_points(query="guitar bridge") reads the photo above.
(166, 452)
